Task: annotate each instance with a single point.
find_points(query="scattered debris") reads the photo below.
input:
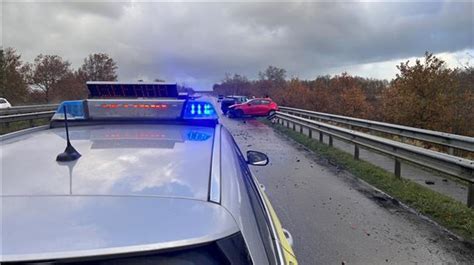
(429, 182)
(445, 180)
(379, 198)
(297, 160)
(395, 201)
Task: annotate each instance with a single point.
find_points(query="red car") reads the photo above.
(254, 107)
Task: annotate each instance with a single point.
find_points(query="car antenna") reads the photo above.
(70, 153)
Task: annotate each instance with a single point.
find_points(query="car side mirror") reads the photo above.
(256, 158)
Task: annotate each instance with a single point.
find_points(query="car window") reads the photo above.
(2, 101)
(265, 101)
(254, 102)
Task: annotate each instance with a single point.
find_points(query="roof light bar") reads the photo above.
(112, 109)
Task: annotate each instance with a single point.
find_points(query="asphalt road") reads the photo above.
(333, 217)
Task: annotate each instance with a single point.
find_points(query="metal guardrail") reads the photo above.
(5, 120)
(28, 109)
(457, 167)
(26, 113)
(452, 141)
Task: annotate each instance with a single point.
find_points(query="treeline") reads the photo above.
(426, 95)
(50, 78)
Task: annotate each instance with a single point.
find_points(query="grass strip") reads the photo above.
(453, 215)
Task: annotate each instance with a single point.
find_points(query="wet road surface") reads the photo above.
(333, 217)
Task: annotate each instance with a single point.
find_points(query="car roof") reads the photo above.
(150, 180)
(126, 159)
(236, 96)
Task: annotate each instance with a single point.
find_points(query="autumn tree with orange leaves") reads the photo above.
(427, 95)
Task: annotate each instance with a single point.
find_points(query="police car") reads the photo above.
(135, 175)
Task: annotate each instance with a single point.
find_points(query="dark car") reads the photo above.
(254, 107)
(231, 100)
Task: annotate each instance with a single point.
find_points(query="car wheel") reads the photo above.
(271, 113)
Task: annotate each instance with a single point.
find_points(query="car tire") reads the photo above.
(271, 112)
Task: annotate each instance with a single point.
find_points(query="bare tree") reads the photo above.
(99, 67)
(12, 80)
(46, 72)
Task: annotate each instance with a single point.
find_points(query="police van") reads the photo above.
(136, 174)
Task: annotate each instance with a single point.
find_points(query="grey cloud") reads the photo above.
(199, 42)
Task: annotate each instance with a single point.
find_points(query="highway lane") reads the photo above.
(333, 217)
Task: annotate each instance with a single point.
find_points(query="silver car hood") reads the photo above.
(55, 227)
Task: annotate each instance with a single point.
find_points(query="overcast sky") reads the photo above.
(197, 43)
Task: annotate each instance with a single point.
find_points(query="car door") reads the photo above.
(265, 106)
(277, 244)
(277, 248)
(252, 107)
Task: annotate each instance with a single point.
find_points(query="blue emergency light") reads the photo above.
(74, 110)
(195, 110)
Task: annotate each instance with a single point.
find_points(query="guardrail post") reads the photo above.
(287, 124)
(294, 126)
(310, 133)
(301, 128)
(321, 137)
(398, 168)
(330, 140)
(470, 195)
(451, 150)
(31, 123)
(356, 152)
